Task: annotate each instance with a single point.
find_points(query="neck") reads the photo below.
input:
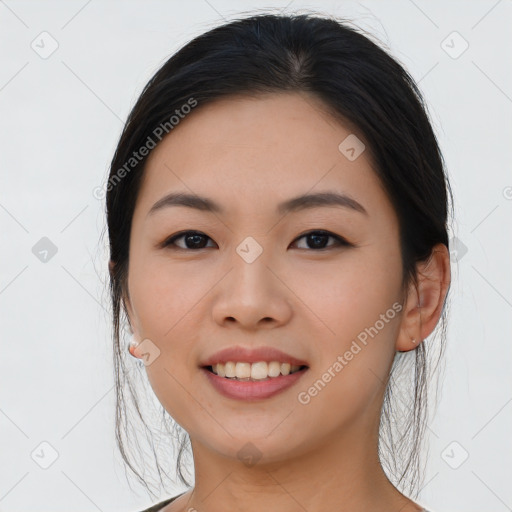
(341, 473)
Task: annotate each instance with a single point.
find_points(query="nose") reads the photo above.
(252, 296)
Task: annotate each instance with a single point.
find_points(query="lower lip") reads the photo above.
(252, 390)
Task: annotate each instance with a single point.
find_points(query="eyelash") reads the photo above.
(340, 242)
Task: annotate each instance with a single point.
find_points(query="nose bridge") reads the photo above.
(251, 275)
(251, 292)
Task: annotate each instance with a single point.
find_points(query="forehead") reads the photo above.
(266, 127)
(253, 149)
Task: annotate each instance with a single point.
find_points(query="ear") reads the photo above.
(125, 299)
(424, 304)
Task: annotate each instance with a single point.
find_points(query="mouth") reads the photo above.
(234, 381)
(254, 372)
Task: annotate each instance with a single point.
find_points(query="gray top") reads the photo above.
(162, 504)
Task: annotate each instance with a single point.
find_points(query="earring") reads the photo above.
(131, 349)
(132, 346)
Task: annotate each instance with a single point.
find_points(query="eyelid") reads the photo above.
(340, 241)
(169, 242)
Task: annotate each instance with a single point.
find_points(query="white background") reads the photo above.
(61, 117)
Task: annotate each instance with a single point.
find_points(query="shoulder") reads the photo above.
(158, 506)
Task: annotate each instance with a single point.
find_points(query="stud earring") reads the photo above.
(132, 346)
(131, 349)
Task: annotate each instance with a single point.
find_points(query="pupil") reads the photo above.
(196, 239)
(315, 239)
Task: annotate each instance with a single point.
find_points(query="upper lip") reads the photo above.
(251, 355)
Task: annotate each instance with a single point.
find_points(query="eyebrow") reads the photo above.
(302, 202)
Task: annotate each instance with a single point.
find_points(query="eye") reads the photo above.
(196, 240)
(317, 239)
(192, 240)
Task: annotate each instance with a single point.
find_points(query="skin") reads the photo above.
(249, 154)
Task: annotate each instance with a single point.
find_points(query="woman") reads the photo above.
(277, 214)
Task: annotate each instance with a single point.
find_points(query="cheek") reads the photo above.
(163, 293)
(348, 293)
(355, 346)
(353, 304)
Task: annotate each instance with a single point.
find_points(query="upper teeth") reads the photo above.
(259, 370)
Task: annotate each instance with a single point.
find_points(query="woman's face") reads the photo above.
(252, 279)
